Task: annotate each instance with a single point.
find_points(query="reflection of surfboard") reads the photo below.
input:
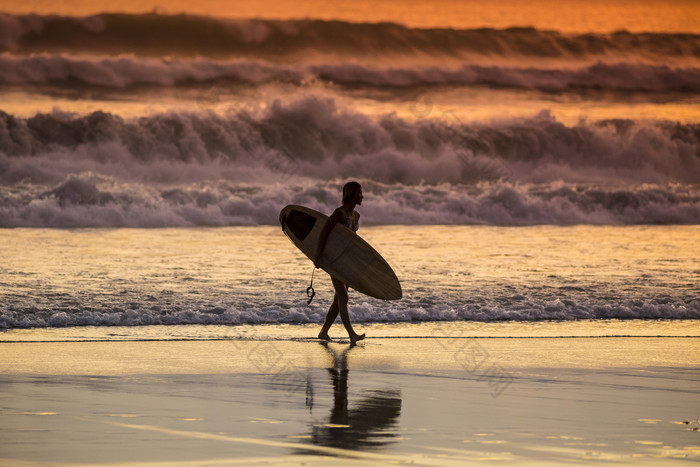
(346, 256)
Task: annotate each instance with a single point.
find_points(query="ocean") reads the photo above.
(519, 171)
(56, 278)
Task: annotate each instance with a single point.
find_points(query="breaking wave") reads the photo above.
(183, 169)
(124, 71)
(315, 137)
(155, 35)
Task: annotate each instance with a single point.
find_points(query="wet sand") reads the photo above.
(280, 399)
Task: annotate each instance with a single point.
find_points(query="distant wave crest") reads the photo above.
(124, 71)
(155, 35)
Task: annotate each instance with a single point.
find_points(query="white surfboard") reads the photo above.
(346, 256)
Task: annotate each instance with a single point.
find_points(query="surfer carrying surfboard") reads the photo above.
(347, 216)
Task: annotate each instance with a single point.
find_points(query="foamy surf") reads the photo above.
(204, 169)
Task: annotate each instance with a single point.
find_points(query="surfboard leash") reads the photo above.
(310, 292)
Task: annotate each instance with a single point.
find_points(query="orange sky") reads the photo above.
(565, 15)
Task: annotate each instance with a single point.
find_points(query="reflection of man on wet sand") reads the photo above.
(365, 425)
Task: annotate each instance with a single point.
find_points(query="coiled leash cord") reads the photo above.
(310, 292)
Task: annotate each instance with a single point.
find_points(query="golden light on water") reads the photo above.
(512, 215)
(164, 276)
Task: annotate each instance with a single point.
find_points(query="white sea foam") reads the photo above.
(406, 311)
(95, 202)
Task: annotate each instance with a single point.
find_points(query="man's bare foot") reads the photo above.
(324, 336)
(356, 337)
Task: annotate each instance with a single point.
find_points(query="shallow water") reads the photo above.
(618, 400)
(238, 275)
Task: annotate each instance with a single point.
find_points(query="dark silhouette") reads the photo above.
(347, 216)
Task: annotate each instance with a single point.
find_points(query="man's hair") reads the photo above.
(349, 190)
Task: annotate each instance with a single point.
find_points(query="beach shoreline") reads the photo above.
(277, 400)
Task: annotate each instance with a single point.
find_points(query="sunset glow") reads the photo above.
(567, 16)
(445, 232)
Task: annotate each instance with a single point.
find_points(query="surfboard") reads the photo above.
(346, 256)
